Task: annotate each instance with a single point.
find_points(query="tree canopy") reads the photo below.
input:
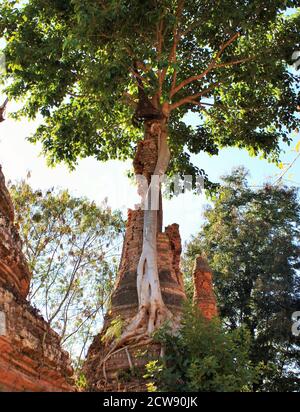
(76, 64)
(252, 240)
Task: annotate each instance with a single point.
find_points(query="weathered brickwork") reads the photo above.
(31, 358)
(204, 295)
(125, 304)
(124, 298)
(14, 273)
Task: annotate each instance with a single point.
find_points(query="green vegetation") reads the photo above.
(202, 357)
(73, 249)
(77, 64)
(251, 238)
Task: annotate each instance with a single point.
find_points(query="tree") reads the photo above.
(72, 247)
(89, 68)
(251, 238)
(202, 357)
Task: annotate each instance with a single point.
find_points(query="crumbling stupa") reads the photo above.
(104, 372)
(204, 296)
(31, 358)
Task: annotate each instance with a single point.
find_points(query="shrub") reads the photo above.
(202, 357)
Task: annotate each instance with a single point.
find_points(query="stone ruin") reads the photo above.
(124, 302)
(31, 358)
(204, 296)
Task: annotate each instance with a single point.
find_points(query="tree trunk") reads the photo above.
(152, 159)
(151, 305)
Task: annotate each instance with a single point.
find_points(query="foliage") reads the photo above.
(76, 63)
(114, 331)
(72, 247)
(81, 382)
(202, 357)
(251, 238)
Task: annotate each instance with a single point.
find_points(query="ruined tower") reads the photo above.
(104, 371)
(204, 296)
(124, 302)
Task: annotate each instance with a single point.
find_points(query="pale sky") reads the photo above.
(91, 178)
(108, 180)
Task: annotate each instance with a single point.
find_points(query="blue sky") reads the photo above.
(108, 180)
(261, 170)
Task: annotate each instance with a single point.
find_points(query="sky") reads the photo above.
(98, 180)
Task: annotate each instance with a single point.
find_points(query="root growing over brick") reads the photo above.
(152, 311)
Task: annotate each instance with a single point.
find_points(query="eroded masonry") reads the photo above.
(103, 370)
(31, 358)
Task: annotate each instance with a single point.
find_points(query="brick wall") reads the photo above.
(31, 358)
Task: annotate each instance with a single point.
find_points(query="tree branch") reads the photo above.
(2, 110)
(226, 44)
(211, 66)
(160, 38)
(191, 98)
(233, 62)
(160, 41)
(176, 38)
(71, 282)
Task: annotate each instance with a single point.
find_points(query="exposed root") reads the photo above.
(115, 351)
(152, 311)
(137, 332)
(129, 358)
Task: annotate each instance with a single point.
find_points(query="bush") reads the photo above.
(202, 357)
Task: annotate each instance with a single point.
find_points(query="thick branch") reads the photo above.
(2, 110)
(192, 97)
(211, 66)
(172, 56)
